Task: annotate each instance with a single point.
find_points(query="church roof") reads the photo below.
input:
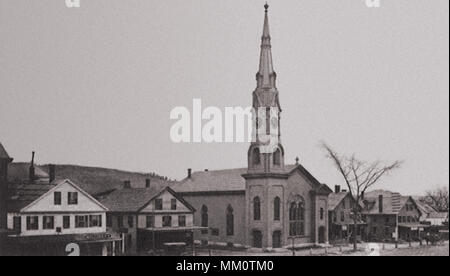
(231, 180)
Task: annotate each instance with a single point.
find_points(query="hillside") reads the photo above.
(100, 180)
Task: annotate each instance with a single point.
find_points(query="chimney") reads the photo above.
(344, 191)
(206, 170)
(51, 173)
(337, 189)
(147, 183)
(31, 171)
(127, 184)
(189, 173)
(380, 204)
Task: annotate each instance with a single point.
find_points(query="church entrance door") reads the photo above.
(321, 234)
(257, 239)
(276, 239)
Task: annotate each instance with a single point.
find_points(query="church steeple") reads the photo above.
(266, 154)
(266, 75)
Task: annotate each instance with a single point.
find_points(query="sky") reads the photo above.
(95, 85)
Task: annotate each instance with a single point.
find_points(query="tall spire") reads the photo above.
(266, 75)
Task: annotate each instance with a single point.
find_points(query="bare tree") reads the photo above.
(359, 176)
(438, 199)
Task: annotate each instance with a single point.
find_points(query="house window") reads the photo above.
(72, 198)
(48, 222)
(167, 221)
(17, 224)
(334, 217)
(256, 208)
(343, 204)
(374, 229)
(130, 222)
(81, 221)
(296, 218)
(150, 222)
(57, 198)
(321, 213)
(204, 222)
(120, 221)
(276, 209)
(95, 220)
(66, 222)
(342, 216)
(33, 223)
(158, 204)
(181, 221)
(173, 204)
(256, 157)
(230, 221)
(109, 222)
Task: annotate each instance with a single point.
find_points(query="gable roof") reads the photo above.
(393, 202)
(438, 215)
(334, 199)
(425, 208)
(3, 153)
(231, 180)
(132, 199)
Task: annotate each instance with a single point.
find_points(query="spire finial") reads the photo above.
(296, 160)
(266, 7)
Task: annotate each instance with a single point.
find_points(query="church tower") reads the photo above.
(266, 178)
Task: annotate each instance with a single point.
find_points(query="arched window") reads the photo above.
(277, 157)
(204, 222)
(297, 218)
(230, 221)
(256, 208)
(276, 209)
(321, 213)
(256, 157)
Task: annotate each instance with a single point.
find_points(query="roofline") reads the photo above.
(167, 188)
(23, 210)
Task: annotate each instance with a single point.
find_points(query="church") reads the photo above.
(269, 204)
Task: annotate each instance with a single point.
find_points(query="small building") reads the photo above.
(391, 216)
(340, 213)
(46, 216)
(149, 218)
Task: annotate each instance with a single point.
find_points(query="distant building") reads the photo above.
(45, 215)
(340, 213)
(149, 217)
(390, 216)
(5, 160)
